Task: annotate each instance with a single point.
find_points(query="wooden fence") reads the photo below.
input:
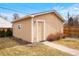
(71, 31)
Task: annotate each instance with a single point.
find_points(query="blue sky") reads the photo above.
(29, 8)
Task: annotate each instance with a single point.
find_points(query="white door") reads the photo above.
(38, 31)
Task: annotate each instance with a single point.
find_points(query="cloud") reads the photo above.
(58, 7)
(73, 10)
(10, 15)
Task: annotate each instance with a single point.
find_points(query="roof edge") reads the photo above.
(40, 13)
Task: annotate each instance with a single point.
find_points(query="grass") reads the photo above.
(10, 47)
(69, 42)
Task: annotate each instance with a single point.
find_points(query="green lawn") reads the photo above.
(10, 47)
(69, 42)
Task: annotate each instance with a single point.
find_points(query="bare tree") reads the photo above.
(75, 23)
(70, 21)
(15, 16)
(4, 17)
(68, 15)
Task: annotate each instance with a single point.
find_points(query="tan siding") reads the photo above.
(53, 23)
(25, 32)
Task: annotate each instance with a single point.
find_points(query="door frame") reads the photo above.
(37, 22)
(32, 29)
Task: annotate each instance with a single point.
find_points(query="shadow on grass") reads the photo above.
(20, 41)
(8, 42)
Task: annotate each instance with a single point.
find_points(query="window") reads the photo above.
(19, 26)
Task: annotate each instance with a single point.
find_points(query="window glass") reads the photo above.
(19, 26)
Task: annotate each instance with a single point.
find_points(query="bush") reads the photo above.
(53, 37)
(2, 33)
(9, 33)
(61, 35)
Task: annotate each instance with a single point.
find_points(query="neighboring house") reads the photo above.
(36, 27)
(4, 24)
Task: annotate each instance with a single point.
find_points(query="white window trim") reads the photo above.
(20, 25)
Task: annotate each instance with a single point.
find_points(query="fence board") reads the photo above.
(71, 30)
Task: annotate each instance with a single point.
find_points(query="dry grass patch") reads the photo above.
(10, 47)
(69, 42)
(7, 42)
(38, 50)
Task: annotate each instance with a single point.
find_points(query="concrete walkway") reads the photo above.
(62, 48)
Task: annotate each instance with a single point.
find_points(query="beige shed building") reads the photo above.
(36, 27)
